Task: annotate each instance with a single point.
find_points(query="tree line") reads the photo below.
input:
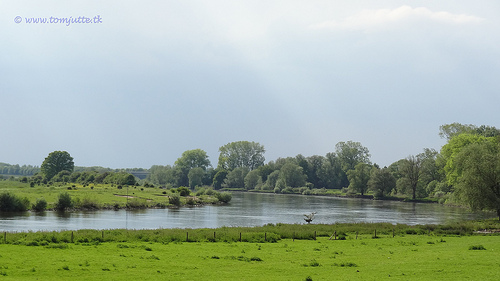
(466, 169)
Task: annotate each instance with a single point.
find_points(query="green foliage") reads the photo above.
(190, 159)
(292, 175)
(174, 199)
(478, 176)
(351, 153)
(477, 247)
(252, 179)
(381, 182)
(219, 178)
(183, 191)
(450, 150)
(224, 197)
(56, 162)
(236, 178)
(40, 205)
(161, 175)
(241, 154)
(195, 177)
(359, 177)
(11, 203)
(64, 202)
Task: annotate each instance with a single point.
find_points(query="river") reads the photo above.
(245, 209)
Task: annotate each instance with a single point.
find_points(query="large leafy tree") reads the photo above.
(359, 177)
(56, 162)
(411, 170)
(241, 154)
(351, 153)
(454, 146)
(331, 174)
(195, 158)
(449, 131)
(381, 182)
(478, 176)
(236, 178)
(292, 175)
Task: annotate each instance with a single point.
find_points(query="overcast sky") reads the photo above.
(156, 78)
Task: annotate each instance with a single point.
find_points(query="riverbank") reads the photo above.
(398, 252)
(17, 196)
(339, 194)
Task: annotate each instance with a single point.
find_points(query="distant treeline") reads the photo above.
(16, 170)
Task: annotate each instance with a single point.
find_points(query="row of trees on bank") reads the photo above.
(466, 169)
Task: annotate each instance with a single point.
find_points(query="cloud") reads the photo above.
(369, 19)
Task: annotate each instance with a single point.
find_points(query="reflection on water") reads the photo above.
(246, 209)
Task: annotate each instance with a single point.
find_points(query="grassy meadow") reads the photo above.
(103, 196)
(272, 252)
(408, 257)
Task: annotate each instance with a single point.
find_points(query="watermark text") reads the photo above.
(59, 20)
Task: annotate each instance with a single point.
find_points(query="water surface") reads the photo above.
(245, 209)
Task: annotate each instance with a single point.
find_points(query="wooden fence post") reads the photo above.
(240, 236)
(71, 236)
(214, 236)
(187, 236)
(5, 237)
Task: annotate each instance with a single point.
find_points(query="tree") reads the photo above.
(252, 179)
(331, 174)
(449, 131)
(190, 159)
(56, 162)
(351, 153)
(241, 154)
(359, 177)
(64, 202)
(161, 175)
(195, 176)
(478, 176)
(411, 171)
(236, 178)
(292, 175)
(454, 146)
(381, 182)
(219, 178)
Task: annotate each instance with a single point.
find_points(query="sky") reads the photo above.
(144, 81)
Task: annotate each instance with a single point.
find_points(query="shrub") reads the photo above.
(11, 203)
(174, 199)
(137, 203)
(40, 205)
(64, 202)
(224, 197)
(183, 191)
(477, 247)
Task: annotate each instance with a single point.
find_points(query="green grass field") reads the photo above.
(101, 196)
(402, 258)
(407, 257)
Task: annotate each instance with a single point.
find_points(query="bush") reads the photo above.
(64, 202)
(40, 205)
(11, 203)
(183, 191)
(224, 197)
(478, 247)
(174, 199)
